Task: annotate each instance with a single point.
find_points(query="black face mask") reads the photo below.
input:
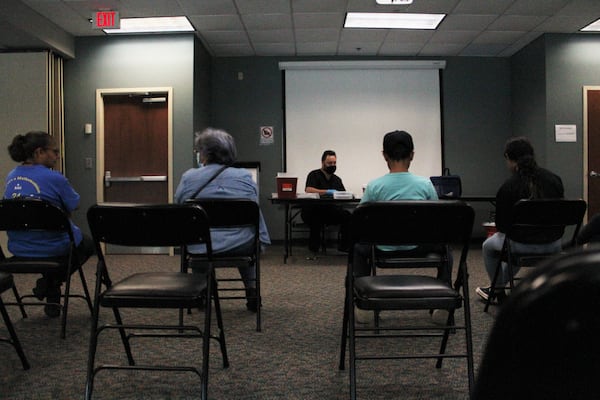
(330, 169)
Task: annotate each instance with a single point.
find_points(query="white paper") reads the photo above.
(565, 133)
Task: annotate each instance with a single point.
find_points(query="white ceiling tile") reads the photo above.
(227, 50)
(317, 35)
(408, 35)
(358, 48)
(466, 22)
(454, 37)
(441, 49)
(364, 35)
(564, 24)
(482, 50)
(316, 48)
(497, 37)
(224, 37)
(275, 49)
(581, 8)
(482, 6)
(263, 6)
(311, 6)
(400, 49)
(271, 36)
(516, 23)
(216, 22)
(318, 20)
(208, 7)
(267, 21)
(536, 7)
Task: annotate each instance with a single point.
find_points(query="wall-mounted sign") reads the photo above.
(565, 133)
(107, 19)
(266, 135)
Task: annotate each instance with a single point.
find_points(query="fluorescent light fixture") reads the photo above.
(393, 20)
(394, 2)
(593, 27)
(153, 25)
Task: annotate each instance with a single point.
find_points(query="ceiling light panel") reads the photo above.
(153, 25)
(392, 20)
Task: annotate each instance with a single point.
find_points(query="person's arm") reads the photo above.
(591, 231)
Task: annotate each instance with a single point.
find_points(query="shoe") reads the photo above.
(484, 293)
(362, 316)
(53, 296)
(251, 300)
(41, 288)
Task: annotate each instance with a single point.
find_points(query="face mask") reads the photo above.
(198, 160)
(330, 169)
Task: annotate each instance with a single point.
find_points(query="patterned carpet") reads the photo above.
(294, 357)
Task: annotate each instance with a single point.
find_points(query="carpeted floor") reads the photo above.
(294, 357)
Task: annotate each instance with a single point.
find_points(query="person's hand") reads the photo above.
(330, 191)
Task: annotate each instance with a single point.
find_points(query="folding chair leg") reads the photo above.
(88, 298)
(14, 339)
(445, 337)
(65, 308)
(220, 325)
(344, 335)
(18, 299)
(124, 338)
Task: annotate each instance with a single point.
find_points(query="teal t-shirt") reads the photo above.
(399, 186)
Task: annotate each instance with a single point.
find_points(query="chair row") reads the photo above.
(437, 225)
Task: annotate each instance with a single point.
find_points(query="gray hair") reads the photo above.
(215, 146)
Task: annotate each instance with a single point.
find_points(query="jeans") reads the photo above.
(247, 273)
(492, 248)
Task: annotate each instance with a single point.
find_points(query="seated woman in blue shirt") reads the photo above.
(216, 149)
(34, 178)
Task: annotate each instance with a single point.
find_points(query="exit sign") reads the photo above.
(106, 20)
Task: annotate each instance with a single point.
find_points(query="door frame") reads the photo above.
(100, 132)
(586, 172)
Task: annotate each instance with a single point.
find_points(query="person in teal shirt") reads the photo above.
(398, 184)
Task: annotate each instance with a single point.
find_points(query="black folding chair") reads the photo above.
(544, 342)
(402, 223)
(26, 214)
(235, 214)
(175, 225)
(536, 221)
(6, 282)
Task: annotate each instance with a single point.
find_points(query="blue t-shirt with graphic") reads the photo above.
(40, 182)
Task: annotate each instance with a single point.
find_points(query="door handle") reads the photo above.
(594, 174)
(142, 178)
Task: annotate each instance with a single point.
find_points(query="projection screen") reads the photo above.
(348, 107)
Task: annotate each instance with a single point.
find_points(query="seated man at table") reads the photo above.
(325, 182)
(398, 184)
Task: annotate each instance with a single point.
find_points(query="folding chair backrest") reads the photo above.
(545, 220)
(149, 225)
(412, 222)
(229, 213)
(32, 214)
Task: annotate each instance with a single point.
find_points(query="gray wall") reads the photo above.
(128, 62)
(476, 112)
(547, 86)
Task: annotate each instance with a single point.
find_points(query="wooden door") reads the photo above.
(136, 159)
(592, 132)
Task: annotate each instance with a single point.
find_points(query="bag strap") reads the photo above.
(208, 181)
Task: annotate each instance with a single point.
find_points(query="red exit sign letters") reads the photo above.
(106, 19)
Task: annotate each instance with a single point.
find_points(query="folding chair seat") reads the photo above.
(6, 282)
(235, 214)
(544, 341)
(175, 225)
(405, 223)
(536, 221)
(26, 214)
